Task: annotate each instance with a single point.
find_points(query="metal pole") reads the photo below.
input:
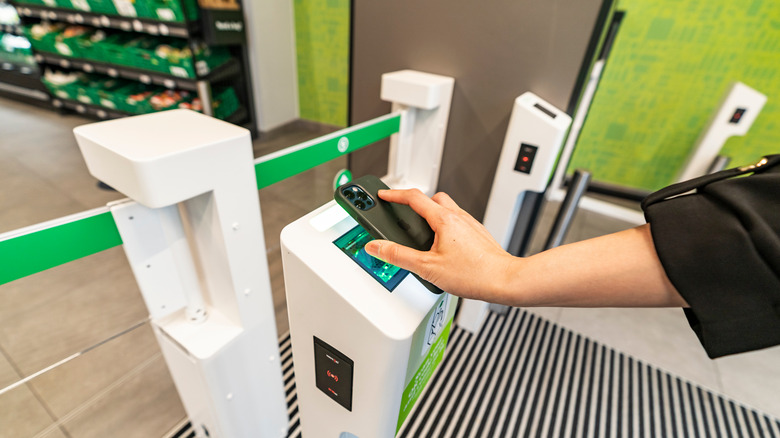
(577, 188)
(719, 163)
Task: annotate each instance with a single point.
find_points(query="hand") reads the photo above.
(464, 260)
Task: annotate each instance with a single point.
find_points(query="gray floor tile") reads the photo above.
(660, 337)
(753, 378)
(552, 314)
(21, 412)
(27, 200)
(96, 370)
(129, 409)
(51, 315)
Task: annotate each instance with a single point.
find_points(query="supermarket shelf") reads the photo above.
(226, 71)
(127, 24)
(103, 113)
(93, 111)
(11, 28)
(20, 75)
(16, 82)
(28, 70)
(240, 117)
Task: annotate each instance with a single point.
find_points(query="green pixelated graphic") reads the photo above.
(669, 68)
(322, 39)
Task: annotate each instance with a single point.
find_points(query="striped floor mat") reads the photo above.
(523, 376)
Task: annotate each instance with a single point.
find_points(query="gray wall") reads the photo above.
(496, 50)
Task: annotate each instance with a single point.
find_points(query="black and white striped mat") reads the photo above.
(523, 376)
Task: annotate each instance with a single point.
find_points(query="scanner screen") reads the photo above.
(352, 243)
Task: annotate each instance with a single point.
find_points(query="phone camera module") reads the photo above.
(360, 204)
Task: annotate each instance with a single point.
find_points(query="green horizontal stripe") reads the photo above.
(301, 160)
(35, 252)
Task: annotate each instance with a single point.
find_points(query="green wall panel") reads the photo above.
(671, 64)
(322, 39)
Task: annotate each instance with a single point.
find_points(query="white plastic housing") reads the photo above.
(725, 123)
(329, 296)
(226, 363)
(536, 123)
(416, 151)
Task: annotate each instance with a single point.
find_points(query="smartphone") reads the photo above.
(385, 220)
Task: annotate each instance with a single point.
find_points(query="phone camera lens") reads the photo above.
(360, 205)
(362, 196)
(349, 194)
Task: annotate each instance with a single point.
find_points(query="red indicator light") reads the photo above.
(525, 159)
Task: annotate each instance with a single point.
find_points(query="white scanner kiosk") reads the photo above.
(367, 336)
(526, 165)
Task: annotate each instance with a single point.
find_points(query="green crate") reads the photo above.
(69, 91)
(40, 40)
(111, 49)
(102, 7)
(106, 92)
(225, 102)
(134, 98)
(36, 2)
(169, 99)
(125, 8)
(55, 41)
(168, 10)
(180, 61)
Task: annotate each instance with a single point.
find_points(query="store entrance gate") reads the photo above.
(193, 236)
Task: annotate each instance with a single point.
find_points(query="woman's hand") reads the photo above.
(464, 260)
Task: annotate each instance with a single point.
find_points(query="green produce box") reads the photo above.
(102, 6)
(169, 99)
(134, 98)
(77, 5)
(58, 38)
(172, 56)
(36, 2)
(125, 8)
(111, 48)
(100, 91)
(43, 37)
(168, 10)
(225, 102)
(68, 90)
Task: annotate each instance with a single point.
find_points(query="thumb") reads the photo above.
(395, 254)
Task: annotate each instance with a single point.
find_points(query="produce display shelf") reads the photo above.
(103, 113)
(128, 24)
(13, 29)
(225, 71)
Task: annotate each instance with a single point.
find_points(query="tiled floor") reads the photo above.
(122, 388)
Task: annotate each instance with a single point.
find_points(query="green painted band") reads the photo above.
(35, 252)
(299, 159)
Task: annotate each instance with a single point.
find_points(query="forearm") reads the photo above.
(617, 270)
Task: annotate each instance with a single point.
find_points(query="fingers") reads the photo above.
(420, 203)
(395, 254)
(445, 201)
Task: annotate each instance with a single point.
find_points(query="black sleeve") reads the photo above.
(720, 247)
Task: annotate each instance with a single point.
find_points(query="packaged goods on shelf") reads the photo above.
(133, 97)
(8, 15)
(16, 50)
(171, 56)
(57, 38)
(166, 55)
(173, 11)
